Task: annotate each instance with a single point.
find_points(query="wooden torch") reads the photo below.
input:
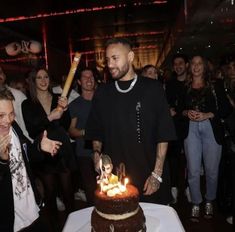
(70, 76)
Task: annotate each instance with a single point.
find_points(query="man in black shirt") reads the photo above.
(130, 121)
(174, 92)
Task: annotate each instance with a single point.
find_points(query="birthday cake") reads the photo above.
(118, 212)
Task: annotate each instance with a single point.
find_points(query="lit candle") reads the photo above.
(126, 181)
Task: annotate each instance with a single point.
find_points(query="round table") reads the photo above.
(159, 218)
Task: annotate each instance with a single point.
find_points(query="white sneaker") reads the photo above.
(60, 204)
(187, 194)
(229, 220)
(174, 193)
(80, 195)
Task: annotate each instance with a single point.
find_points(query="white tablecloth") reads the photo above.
(164, 217)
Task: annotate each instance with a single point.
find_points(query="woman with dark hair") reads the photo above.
(40, 113)
(204, 135)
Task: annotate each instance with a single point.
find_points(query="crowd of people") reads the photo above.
(137, 117)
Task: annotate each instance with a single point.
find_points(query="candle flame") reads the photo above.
(111, 189)
(126, 180)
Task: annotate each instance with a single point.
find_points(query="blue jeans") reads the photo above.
(201, 144)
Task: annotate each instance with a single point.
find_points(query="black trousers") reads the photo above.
(232, 160)
(88, 177)
(173, 154)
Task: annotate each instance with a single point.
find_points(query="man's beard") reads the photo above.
(121, 73)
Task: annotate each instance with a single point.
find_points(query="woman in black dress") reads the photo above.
(40, 113)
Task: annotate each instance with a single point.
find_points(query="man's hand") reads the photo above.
(5, 146)
(151, 185)
(50, 146)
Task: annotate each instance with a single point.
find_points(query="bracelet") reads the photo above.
(156, 176)
(4, 162)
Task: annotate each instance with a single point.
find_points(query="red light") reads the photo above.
(77, 11)
(21, 59)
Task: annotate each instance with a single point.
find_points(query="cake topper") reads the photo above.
(106, 166)
(110, 183)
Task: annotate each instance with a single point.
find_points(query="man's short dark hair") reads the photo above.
(5, 94)
(227, 59)
(79, 72)
(124, 41)
(182, 56)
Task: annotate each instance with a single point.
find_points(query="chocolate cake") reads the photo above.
(119, 213)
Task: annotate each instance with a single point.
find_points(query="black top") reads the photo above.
(175, 92)
(80, 109)
(201, 100)
(130, 125)
(36, 122)
(211, 98)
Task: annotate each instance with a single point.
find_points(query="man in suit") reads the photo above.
(19, 201)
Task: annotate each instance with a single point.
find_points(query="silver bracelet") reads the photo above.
(4, 162)
(156, 176)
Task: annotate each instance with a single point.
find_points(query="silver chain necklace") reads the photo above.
(130, 87)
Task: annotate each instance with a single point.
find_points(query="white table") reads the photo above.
(164, 217)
